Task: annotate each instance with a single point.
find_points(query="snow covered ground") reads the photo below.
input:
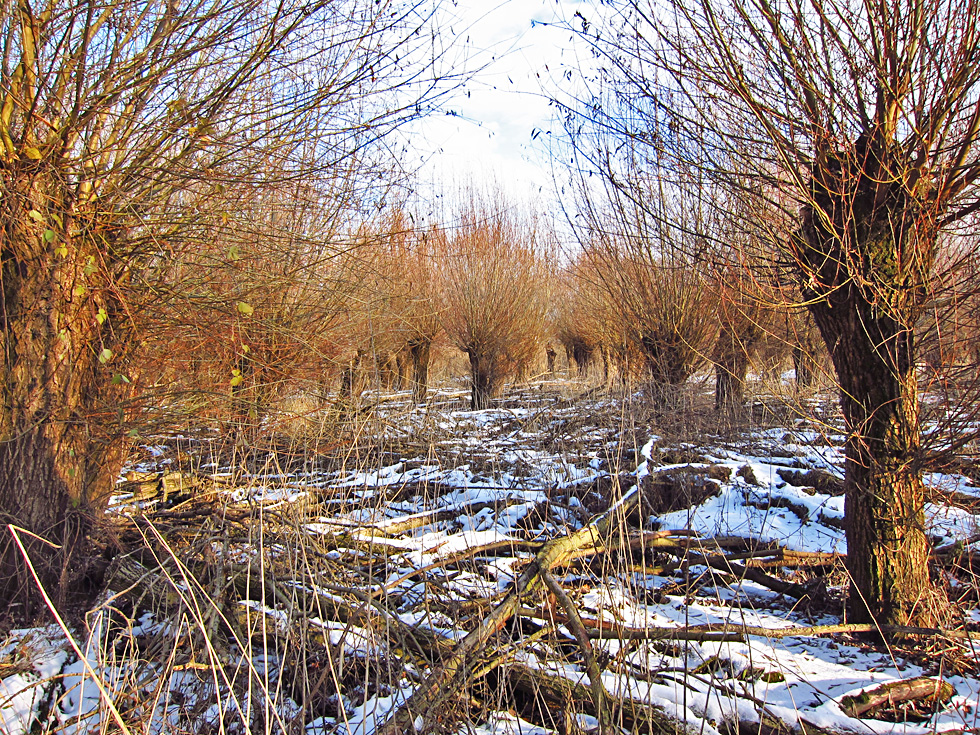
(429, 537)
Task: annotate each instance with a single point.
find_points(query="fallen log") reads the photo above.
(609, 630)
(398, 526)
(640, 717)
(600, 697)
(562, 692)
(923, 689)
(509, 544)
(753, 574)
(808, 631)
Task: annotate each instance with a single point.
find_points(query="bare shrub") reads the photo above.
(257, 313)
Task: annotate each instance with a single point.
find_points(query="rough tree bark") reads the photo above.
(860, 233)
(484, 381)
(62, 435)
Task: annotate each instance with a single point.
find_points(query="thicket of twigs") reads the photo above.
(287, 588)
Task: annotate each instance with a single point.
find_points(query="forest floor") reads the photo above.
(484, 572)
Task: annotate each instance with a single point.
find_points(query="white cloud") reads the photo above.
(517, 47)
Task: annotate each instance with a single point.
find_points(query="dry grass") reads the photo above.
(289, 601)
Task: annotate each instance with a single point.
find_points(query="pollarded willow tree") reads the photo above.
(126, 129)
(857, 124)
(406, 264)
(646, 239)
(492, 289)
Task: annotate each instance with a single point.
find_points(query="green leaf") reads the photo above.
(236, 381)
(61, 250)
(133, 434)
(101, 316)
(90, 266)
(119, 379)
(244, 309)
(234, 253)
(31, 152)
(35, 215)
(79, 290)
(50, 235)
(105, 355)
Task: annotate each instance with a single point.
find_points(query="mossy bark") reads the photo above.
(62, 421)
(888, 550)
(865, 252)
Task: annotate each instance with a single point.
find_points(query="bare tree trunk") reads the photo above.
(551, 355)
(483, 381)
(730, 383)
(401, 369)
(582, 354)
(803, 367)
(888, 550)
(59, 453)
(867, 323)
(421, 352)
(352, 378)
(606, 368)
(731, 360)
(36, 498)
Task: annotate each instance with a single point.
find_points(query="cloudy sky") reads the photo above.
(520, 46)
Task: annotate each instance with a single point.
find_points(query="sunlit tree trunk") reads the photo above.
(483, 380)
(730, 382)
(62, 435)
(865, 301)
(551, 355)
(420, 350)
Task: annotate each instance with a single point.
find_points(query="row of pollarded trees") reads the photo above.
(478, 283)
(651, 294)
(268, 312)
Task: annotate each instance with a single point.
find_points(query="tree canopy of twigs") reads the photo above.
(645, 241)
(493, 290)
